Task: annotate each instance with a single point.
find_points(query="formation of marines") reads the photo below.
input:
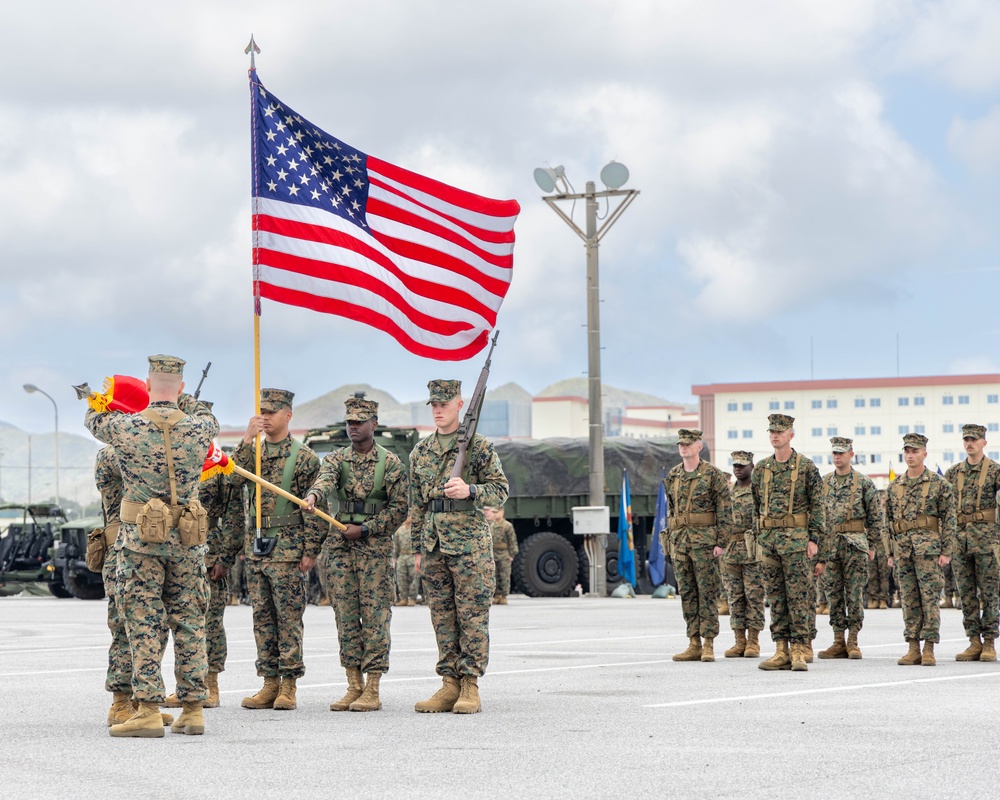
(171, 541)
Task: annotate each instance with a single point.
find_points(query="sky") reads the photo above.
(815, 179)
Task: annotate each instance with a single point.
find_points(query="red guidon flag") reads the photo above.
(121, 393)
(344, 233)
(216, 463)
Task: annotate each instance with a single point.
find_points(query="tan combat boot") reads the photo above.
(836, 650)
(355, 688)
(468, 698)
(410, 602)
(324, 601)
(872, 605)
(693, 652)
(708, 649)
(443, 699)
(799, 657)
(191, 721)
(912, 656)
(740, 647)
(503, 600)
(121, 708)
(265, 697)
(823, 608)
(146, 723)
(496, 599)
(973, 652)
(927, 657)
(212, 684)
(753, 644)
(781, 658)
(989, 650)
(369, 700)
(853, 651)
(947, 602)
(285, 701)
(172, 701)
(883, 604)
(723, 606)
(233, 600)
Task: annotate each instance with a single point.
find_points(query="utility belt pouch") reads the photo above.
(154, 521)
(96, 550)
(193, 524)
(753, 546)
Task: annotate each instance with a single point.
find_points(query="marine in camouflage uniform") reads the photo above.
(504, 550)
(878, 568)
(407, 577)
(789, 519)
(854, 522)
(976, 482)
(741, 567)
(920, 511)
(371, 487)
(452, 537)
(276, 581)
(700, 521)
(162, 583)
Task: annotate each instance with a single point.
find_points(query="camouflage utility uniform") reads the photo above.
(407, 578)
(788, 514)
(975, 564)
(921, 515)
(741, 572)
(108, 477)
(700, 519)
(504, 549)
(225, 531)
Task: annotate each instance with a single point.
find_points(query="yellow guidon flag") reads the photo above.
(892, 473)
(216, 462)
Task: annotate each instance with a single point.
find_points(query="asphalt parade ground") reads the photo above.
(581, 700)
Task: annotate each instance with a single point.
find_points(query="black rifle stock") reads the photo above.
(467, 429)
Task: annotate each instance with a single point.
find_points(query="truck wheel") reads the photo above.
(546, 565)
(57, 589)
(80, 588)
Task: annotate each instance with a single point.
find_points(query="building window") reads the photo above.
(993, 426)
(818, 460)
(860, 459)
(747, 434)
(992, 399)
(918, 429)
(774, 405)
(817, 403)
(947, 400)
(918, 401)
(995, 455)
(904, 429)
(859, 430)
(876, 458)
(732, 407)
(963, 399)
(817, 431)
(831, 431)
(948, 428)
(948, 456)
(859, 402)
(732, 434)
(875, 402)
(829, 459)
(790, 405)
(730, 460)
(903, 401)
(875, 430)
(831, 403)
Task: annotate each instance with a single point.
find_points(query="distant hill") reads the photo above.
(76, 465)
(328, 409)
(613, 396)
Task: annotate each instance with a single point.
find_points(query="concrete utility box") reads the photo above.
(591, 520)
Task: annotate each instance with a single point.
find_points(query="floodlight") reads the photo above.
(546, 177)
(614, 175)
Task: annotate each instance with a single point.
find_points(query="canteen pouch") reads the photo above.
(753, 547)
(153, 522)
(193, 524)
(96, 550)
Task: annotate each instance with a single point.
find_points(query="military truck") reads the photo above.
(69, 565)
(548, 478)
(26, 545)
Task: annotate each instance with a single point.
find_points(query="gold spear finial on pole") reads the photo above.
(252, 49)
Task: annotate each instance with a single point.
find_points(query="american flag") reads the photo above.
(342, 232)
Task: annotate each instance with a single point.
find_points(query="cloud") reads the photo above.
(977, 141)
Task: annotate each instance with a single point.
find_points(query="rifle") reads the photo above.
(204, 374)
(467, 429)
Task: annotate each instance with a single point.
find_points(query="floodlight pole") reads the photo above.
(592, 237)
(30, 388)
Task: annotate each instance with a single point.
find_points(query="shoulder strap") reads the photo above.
(854, 491)
(282, 504)
(795, 477)
(378, 493)
(767, 488)
(694, 485)
(984, 467)
(165, 424)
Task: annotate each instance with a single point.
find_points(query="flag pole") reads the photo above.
(253, 49)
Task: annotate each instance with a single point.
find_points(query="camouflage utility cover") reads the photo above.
(560, 467)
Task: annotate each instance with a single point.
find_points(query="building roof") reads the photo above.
(844, 383)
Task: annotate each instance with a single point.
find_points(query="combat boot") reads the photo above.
(708, 649)
(411, 602)
(723, 606)
(973, 652)
(853, 651)
(753, 644)
(145, 723)
(369, 700)
(121, 708)
(496, 599)
(265, 697)
(324, 601)
(172, 701)
(191, 721)
(823, 608)
(503, 600)
(781, 658)
(212, 684)
(872, 605)
(798, 656)
(883, 604)
(836, 650)
(285, 701)
(233, 600)
(927, 657)
(947, 603)
(989, 650)
(912, 656)
(807, 652)
(355, 688)
(468, 698)
(740, 647)
(693, 652)
(443, 699)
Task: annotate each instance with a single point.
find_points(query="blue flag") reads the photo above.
(626, 544)
(657, 562)
(939, 470)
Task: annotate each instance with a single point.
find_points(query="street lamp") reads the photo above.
(30, 388)
(613, 176)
